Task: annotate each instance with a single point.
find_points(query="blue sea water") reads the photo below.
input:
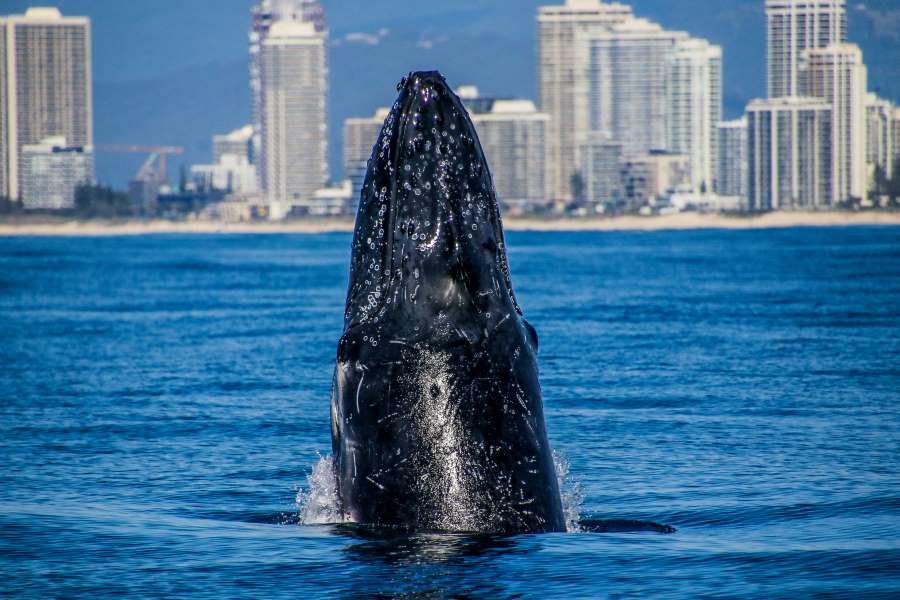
(164, 399)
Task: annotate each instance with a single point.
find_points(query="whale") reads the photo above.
(437, 417)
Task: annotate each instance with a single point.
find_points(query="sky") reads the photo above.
(175, 71)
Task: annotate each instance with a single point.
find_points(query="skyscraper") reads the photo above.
(694, 108)
(790, 150)
(360, 135)
(563, 57)
(794, 26)
(732, 162)
(837, 74)
(45, 71)
(895, 139)
(264, 14)
(879, 140)
(627, 83)
(293, 113)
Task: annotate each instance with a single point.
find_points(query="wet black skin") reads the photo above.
(437, 419)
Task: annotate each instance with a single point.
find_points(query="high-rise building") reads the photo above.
(294, 113)
(601, 157)
(694, 108)
(789, 154)
(794, 26)
(45, 71)
(263, 15)
(627, 83)
(52, 171)
(837, 74)
(732, 167)
(895, 140)
(360, 135)
(513, 137)
(563, 56)
(880, 148)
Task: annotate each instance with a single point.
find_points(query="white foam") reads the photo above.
(318, 505)
(570, 492)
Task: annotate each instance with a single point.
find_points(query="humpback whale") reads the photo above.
(437, 418)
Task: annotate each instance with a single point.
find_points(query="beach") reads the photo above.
(55, 226)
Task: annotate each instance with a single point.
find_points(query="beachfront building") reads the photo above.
(731, 180)
(563, 57)
(837, 74)
(694, 108)
(627, 79)
(513, 136)
(360, 135)
(45, 78)
(52, 170)
(793, 27)
(263, 15)
(601, 157)
(895, 139)
(231, 173)
(294, 114)
(238, 143)
(880, 148)
(649, 180)
(789, 154)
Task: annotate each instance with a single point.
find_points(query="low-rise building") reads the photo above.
(52, 171)
(513, 136)
(231, 173)
(649, 179)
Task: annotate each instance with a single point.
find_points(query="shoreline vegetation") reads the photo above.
(60, 226)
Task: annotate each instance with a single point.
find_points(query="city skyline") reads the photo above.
(607, 77)
(205, 50)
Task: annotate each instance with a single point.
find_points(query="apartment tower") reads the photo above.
(45, 74)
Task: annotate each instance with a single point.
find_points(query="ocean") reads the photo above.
(165, 399)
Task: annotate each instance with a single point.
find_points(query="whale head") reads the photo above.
(428, 225)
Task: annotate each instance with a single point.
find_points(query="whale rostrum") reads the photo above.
(437, 417)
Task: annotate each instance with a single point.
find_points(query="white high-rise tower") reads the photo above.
(794, 26)
(264, 14)
(293, 113)
(45, 87)
(837, 74)
(694, 108)
(563, 34)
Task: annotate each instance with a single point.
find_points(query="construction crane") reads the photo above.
(156, 153)
(144, 188)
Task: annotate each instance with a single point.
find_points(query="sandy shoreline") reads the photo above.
(53, 227)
